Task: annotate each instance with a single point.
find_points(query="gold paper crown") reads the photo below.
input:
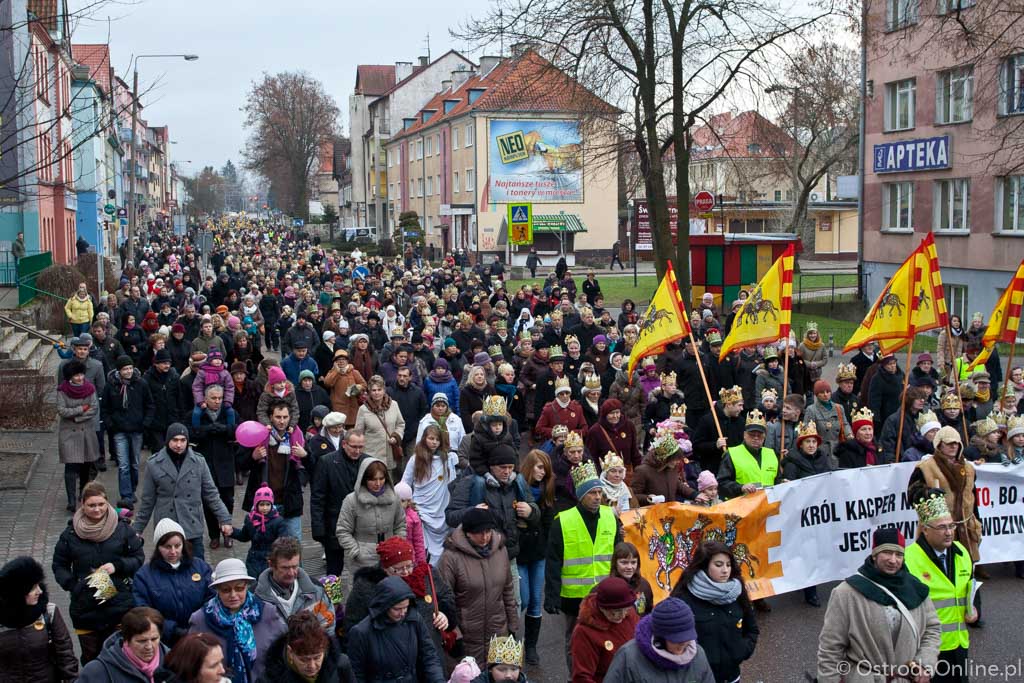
(562, 383)
(570, 339)
(574, 440)
(714, 337)
(1015, 423)
(756, 417)
(863, 414)
(102, 585)
(769, 393)
(505, 650)
(664, 447)
(1000, 418)
(668, 376)
(610, 460)
(967, 391)
(582, 473)
(494, 406)
(806, 430)
(525, 335)
(950, 401)
(556, 353)
(932, 507)
(501, 324)
(846, 371)
(985, 427)
(592, 382)
(925, 417)
(465, 318)
(495, 351)
(731, 395)
(677, 412)
(559, 430)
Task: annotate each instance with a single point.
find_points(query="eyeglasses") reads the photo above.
(943, 527)
(403, 569)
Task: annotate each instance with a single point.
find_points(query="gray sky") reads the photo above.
(237, 41)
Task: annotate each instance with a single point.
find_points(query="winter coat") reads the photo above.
(797, 464)
(851, 454)
(655, 479)
(833, 425)
(127, 406)
(163, 387)
(383, 651)
(95, 372)
(259, 542)
(112, 666)
(472, 490)
(690, 383)
(263, 405)
(378, 433)
(204, 344)
(335, 477)
(365, 520)
(308, 400)
(530, 375)
(884, 395)
(215, 441)
(483, 590)
(631, 665)
(179, 494)
(553, 414)
(658, 409)
(265, 631)
(292, 366)
(890, 435)
(728, 633)
(339, 384)
(705, 437)
(413, 405)
(595, 640)
(336, 667)
(174, 593)
(483, 442)
(76, 431)
(449, 389)
(632, 399)
(40, 652)
(470, 401)
(78, 311)
(764, 379)
(75, 558)
(296, 333)
(246, 400)
(289, 500)
(620, 438)
(310, 598)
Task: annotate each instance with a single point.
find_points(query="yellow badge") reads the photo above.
(608, 645)
(428, 599)
(440, 477)
(323, 447)
(39, 625)
(572, 414)
(739, 624)
(622, 435)
(196, 577)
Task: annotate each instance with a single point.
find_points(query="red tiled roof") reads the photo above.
(45, 11)
(374, 79)
(97, 58)
(417, 68)
(731, 136)
(528, 83)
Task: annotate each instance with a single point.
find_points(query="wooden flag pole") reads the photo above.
(956, 376)
(903, 399)
(704, 379)
(1009, 367)
(785, 386)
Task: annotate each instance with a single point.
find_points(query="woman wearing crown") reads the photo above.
(613, 432)
(659, 405)
(591, 400)
(615, 493)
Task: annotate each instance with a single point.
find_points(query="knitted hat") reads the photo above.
(448, 341)
(584, 478)
(820, 386)
(84, 339)
(275, 374)
(439, 397)
(403, 490)
(672, 621)
(502, 454)
(238, 366)
(166, 527)
(887, 539)
(465, 671)
(264, 494)
(334, 419)
(307, 374)
(705, 480)
(477, 519)
(214, 352)
(123, 361)
(946, 435)
(176, 429)
(394, 550)
(614, 593)
(177, 328)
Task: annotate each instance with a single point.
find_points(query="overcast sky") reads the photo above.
(237, 41)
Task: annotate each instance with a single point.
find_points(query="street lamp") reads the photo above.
(132, 217)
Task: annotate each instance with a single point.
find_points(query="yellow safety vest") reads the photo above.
(961, 365)
(585, 562)
(747, 469)
(950, 599)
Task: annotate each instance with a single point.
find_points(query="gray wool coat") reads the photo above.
(95, 374)
(179, 494)
(366, 519)
(76, 432)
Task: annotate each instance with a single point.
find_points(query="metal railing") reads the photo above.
(11, 322)
(29, 268)
(825, 288)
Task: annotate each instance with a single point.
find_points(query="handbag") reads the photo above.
(396, 448)
(451, 638)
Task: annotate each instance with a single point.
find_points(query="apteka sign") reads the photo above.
(924, 154)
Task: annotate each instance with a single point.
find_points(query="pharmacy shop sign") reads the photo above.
(924, 154)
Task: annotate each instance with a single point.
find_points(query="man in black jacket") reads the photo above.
(162, 381)
(127, 407)
(334, 479)
(412, 403)
(212, 429)
(707, 445)
(692, 386)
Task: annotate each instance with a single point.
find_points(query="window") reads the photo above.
(455, 181)
(430, 185)
(437, 144)
(899, 104)
(419, 149)
(952, 205)
(437, 184)
(469, 135)
(954, 95)
(956, 300)
(412, 188)
(1009, 208)
(897, 206)
(753, 148)
(428, 145)
(391, 157)
(900, 13)
(455, 139)
(420, 188)
(1011, 80)
(947, 6)
(470, 180)
(778, 195)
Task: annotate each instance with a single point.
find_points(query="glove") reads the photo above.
(551, 609)
(656, 499)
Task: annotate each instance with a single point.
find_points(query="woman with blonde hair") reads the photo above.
(382, 422)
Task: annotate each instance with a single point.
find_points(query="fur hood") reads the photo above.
(16, 579)
(659, 393)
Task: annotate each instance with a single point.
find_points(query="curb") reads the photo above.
(28, 476)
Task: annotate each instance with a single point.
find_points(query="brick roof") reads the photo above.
(374, 79)
(97, 58)
(45, 11)
(728, 136)
(527, 83)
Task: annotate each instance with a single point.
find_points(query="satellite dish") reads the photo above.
(815, 197)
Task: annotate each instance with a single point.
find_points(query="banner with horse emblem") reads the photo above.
(664, 323)
(766, 313)
(1004, 323)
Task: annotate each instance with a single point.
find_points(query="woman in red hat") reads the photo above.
(607, 621)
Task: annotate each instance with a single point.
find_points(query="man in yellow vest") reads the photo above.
(580, 546)
(750, 465)
(945, 566)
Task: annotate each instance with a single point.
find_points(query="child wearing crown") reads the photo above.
(615, 493)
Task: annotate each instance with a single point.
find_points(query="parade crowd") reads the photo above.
(462, 453)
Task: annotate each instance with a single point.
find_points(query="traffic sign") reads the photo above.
(704, 201)
(109, 209)
(520, 223)
(122, 213)
(298, 223)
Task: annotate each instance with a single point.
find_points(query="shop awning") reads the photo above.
(558, 222)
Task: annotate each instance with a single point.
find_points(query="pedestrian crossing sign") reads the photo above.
(520, 223)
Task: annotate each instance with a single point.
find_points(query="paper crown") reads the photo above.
(525, 335)
(985, 427)
(495, 351)
(569, 339)
(811, 327)
(505, 650)
(582, 473)
(1015, 425)
(950, 401)
(562, 383)
(574, 440)
(102, 585)
(846, 371)
(610, 460)
(770, 352)
(713, 337)
(1000, 418)
(668, 376)
(494, 406)
(678, 412)
(862, 416)
(556, 353)
(559, 431)
(592, 382)
(756, 418)
(731, 395)
(665, 446)
(927, 419)
(501, 324)
(769, 393)
(967, 391)
(806, 431)
(932, 506)
(465, 318)
(1008, 393)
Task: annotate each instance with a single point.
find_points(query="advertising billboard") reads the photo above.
(535, 160)
(9, 74)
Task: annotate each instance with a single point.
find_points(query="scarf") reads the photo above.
(870, 453)
(812, 345)
(259, 520)
(77, 391)
(957, 331)
(773, 371)
(562, 405)
(211, 373)
(440, 375)
(983, 396)
(660, 657)
(418, 581)
(904, 585)
(146, 668)
(236, 631)
(827, 405)
(378, 407)
(613, 492)
(97, 532)
(481, 550)
(716, 593)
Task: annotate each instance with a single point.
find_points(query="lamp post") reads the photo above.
(132, 217)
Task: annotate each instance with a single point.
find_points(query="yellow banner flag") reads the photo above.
(1004, 323)
(928, 300)
(664, 323)
(767, 312)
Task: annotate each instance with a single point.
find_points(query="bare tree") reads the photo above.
(207, 190)
(289, 115)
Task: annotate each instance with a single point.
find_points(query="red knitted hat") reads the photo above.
(394, 550)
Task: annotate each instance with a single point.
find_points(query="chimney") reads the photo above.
(402, 70)
(459, 77)
(519, 48)
(446, 85)
(487, 63)
(424, 61)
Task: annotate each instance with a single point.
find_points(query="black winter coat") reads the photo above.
(246, 400)
(126, 406)
(797, 465)
(533, 540)
(309, 400)
(291, 502)
(705, 437)
(500, 501)
(335, 669)
(728, 633)
(180, 352)
(215, 441)
(163, 387)
(884, 396)
(413, 405)
(335, 477)
(689, 382)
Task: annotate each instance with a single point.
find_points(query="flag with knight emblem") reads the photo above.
(766, 314)
(1004, 323)
(664, 323)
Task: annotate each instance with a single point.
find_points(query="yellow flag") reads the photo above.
(767, 312)
(928, 300)
(664, 323)
(1004, 323)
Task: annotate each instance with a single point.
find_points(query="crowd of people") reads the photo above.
(462, 453)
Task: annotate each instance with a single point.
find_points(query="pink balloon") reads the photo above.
(251, 434)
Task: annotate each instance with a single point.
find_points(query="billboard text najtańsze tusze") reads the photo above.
(535, 160)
